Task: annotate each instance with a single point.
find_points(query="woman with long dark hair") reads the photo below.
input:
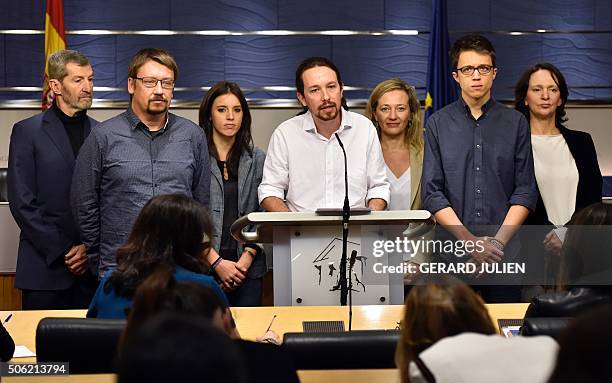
(566, 168)
(237, 169)
(171, 233)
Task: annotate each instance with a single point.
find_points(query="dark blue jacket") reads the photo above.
(41, 162)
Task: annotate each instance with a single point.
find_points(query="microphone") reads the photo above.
(346, 214)
(350, 287)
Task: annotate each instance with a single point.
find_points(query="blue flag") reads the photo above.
(441, 88)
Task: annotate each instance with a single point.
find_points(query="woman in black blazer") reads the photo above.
(565, 161)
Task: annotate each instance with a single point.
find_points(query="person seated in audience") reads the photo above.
(7, 345)
(566, 168)
(236, 167)
(447, 335)
(172, 232)
(180, 348)
(585, 275)
(161, 293)
(585, 353)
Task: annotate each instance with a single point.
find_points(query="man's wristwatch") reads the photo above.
(497, 243)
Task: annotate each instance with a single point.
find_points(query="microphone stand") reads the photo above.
(346, 214)
(350, 287)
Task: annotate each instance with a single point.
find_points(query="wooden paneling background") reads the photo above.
(10, 297)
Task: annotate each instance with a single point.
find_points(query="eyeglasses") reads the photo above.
(468, 70)
(151, 82)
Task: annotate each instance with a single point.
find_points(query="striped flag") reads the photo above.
(55, 40)
(441, 88)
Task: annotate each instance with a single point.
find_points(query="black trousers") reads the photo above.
(77, 296)
(248, 294)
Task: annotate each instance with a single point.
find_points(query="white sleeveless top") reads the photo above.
(400, 190)
(557, 176)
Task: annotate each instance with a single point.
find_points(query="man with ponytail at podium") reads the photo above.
(304, 168)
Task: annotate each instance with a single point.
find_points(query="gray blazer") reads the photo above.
(250, 172)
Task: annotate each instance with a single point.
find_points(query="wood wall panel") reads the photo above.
(10, 297)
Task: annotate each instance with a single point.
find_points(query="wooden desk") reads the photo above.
(252, 322)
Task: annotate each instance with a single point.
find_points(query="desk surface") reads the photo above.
(252, 322)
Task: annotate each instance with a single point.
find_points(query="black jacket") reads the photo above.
(590, 181)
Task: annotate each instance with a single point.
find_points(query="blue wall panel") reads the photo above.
(24, 63)
(469, 15)
(234, 15)
(101, 53)
(22, 14)
(259, 61)
(402, 14)
(512, 15)
(326, 15)
(117, 14)
(603, 15)
(514, 54)
(366, 61)
(2, 62)
(585, 60)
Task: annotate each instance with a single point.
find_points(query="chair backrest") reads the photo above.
(88, 344)
(544, 326)
(3, 185)
(343, 350)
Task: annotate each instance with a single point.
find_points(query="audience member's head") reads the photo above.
(171, 230)
(161, 293)
(180, 348)
(437, 308)
(585, 256)
(585, 353)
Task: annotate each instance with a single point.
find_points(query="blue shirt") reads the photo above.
(107, 304)
(121, 166)
(478, 167)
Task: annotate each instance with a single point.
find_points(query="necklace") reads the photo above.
(225, 171)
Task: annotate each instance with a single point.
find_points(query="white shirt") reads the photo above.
(310, 168)
(474, 358)
(400, 190)
(557, 176)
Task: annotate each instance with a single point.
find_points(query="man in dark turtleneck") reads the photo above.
(52, 265)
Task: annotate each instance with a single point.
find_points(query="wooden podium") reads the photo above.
(307, 248)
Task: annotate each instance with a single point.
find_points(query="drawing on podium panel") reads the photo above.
(333, 265)
(315, 266)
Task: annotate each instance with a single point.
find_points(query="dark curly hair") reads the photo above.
(171, 230)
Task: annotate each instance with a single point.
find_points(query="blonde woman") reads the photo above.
(394, 110)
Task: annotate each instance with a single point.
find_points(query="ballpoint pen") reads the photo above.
(270, 325)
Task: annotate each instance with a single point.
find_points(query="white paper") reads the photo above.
(23, 352)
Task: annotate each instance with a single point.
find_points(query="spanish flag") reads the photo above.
(55, 40)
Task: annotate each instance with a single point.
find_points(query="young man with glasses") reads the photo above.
(143, 152)
(478, 177)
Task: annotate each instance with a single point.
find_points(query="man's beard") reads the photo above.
(157, 111)
(78, 103)
(328, 115)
